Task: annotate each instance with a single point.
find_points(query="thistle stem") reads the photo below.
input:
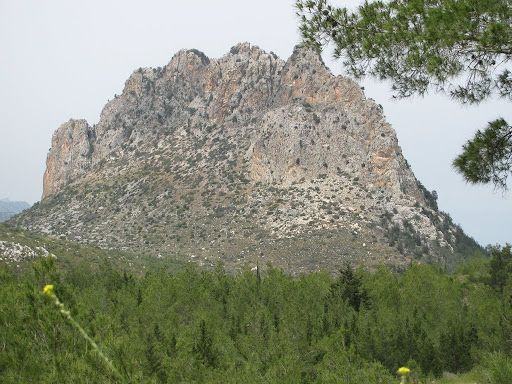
(74, 323)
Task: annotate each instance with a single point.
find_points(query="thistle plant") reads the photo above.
(403, 372)
(49, 291)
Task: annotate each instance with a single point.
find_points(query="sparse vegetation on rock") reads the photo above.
(247, 155)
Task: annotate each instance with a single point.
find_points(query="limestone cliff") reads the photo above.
(70, 155)
(224, 159)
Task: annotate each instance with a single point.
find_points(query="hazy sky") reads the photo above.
(62, 59)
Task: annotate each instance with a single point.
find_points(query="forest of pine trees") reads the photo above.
(198, 326)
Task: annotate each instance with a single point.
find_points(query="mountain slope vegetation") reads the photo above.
(201, 326)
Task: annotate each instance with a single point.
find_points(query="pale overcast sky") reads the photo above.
(62, 59)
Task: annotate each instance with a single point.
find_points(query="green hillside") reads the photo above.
(71, 255)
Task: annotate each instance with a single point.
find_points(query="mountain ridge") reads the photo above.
(240, 158)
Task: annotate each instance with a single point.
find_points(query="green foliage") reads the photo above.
(74, 256)
(488, 156)
(201, 326)
(419, 44)
(501, 267)
(497, 368)
(349, 287)
(461, 47)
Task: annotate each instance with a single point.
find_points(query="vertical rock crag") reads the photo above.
(222, 159)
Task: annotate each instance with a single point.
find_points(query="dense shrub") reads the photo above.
(199, 326)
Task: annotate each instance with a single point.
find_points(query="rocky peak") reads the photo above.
(70, 155)
(246, 149)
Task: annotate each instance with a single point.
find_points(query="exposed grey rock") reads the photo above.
(14, 253)
(230, 157)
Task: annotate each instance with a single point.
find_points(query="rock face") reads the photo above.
(70, 155)
(238, 158)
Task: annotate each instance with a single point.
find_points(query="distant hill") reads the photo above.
(10, 208)
(239, 159)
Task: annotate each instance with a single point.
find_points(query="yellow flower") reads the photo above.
(48, 290)
(403, 371)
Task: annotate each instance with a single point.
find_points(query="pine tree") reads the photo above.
(461, 47)
(203, 346)
(500, 267)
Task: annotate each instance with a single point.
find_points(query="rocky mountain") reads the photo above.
(10, 208)
(239, 159)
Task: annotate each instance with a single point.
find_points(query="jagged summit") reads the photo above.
(224, 159)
